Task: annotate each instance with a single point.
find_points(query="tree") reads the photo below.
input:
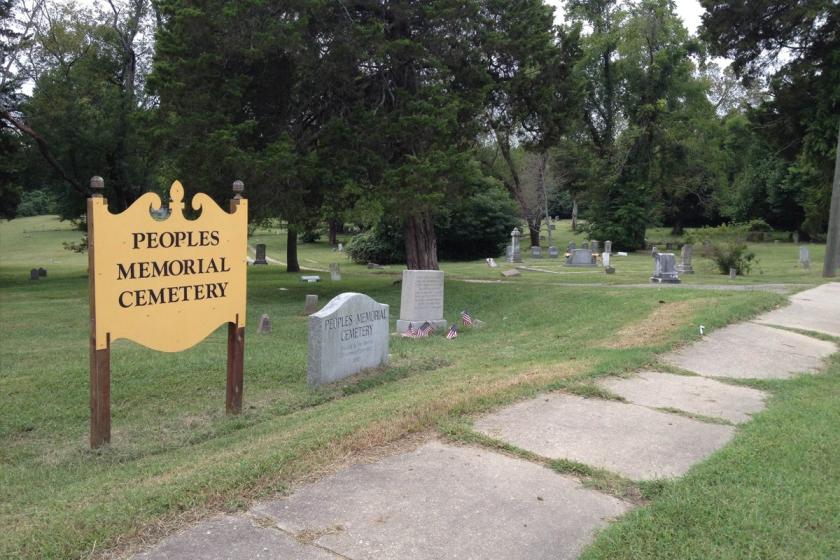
(797, 47)
(82, 114)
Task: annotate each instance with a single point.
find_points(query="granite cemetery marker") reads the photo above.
(514, 255)
(665, 268)
(536, 252)
(166, 284)
(33, 274)
(685, 259)
(42, 272)
(553, 253)
(422, 299)
(311, 305)
(608, 246)
(260, 259)
(335, 272)
(594, 246)
(348, 335)
(805, 257)
(581, 257)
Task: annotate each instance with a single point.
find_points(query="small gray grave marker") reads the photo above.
(581, 257)
(685, 259)
(260, 259)
(33, 274)
(805, 257)
(42, 272)
(608, 246)
(265, 324)
(553, 252)
(311, 304)
(594, 246)
(514, 256)
(511, 273)
(536, 252)
(335, 272)
(310, 278)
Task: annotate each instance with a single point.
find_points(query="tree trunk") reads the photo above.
(534, 225)
(333, 232)
(291, 251)
(832, 240)
(420, 242)
(574, 214)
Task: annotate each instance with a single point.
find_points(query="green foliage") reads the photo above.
(733, 254)
(470, 229)
(37, 203)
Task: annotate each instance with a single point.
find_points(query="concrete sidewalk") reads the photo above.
(447, 501)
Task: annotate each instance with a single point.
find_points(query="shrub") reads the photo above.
(733, 254)
(37, 203)
(475, 228)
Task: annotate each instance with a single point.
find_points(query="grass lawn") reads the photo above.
(175, 456)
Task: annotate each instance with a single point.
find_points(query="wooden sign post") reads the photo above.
(166, 284)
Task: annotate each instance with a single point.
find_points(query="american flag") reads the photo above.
(425, 329)
(453, 332)
(466, 318)
(411, 332)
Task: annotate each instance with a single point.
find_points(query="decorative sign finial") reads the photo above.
(176, 198)
(97, 183)
(238, 189)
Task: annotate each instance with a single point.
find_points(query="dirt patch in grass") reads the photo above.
(656, 327)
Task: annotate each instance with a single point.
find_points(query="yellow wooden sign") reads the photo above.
(167, 283)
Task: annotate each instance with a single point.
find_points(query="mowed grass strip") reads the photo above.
(772, 493)
(175, 456)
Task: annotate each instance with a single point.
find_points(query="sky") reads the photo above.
(689, 10)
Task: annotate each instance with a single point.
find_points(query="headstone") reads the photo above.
(491, 262)
(609, 270)
(570, 247)
(536, 252)
(685, 259)
(553, 252)
(348, 335)
(796, 237)
(42, 272)
(421, 299)
(585, 245)
(260, 254)
(665, 268)
(374, 266)
(310, 278)
(581, 257)
(341, 247)
(265, 324)
(605, 259)
(335, 272)
(311, 304)
(594, 246)
(514, 256)
(511, 273)
(733, 272)
(608, 246)
(33, 274)
(654, 250)
(805, 257)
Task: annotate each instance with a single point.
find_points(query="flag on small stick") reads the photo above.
(425, 329)
(453, 332)
(411, 332)
(466, 318)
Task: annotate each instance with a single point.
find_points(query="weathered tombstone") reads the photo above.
(491, 262)
(335, 272)
(511, 273)
(570, 247)
(796, 237)
(421, 299)
(665, 269)
(553, 252)
(260, 259)
(581, 257)
(585, 245)
(805, 257)
(265, 324)
(685, 259)
(310, 278)
(348, 335)
(341, 247)
(374, 266)
(514, 256)
(33, 274)
(594, 246)
(733, 272)
(605, 259)
(608, 246)
(536, 252)
(311, 304)
(42, 272)
(654, 250)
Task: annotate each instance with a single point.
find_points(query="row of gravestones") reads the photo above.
(36, 273)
